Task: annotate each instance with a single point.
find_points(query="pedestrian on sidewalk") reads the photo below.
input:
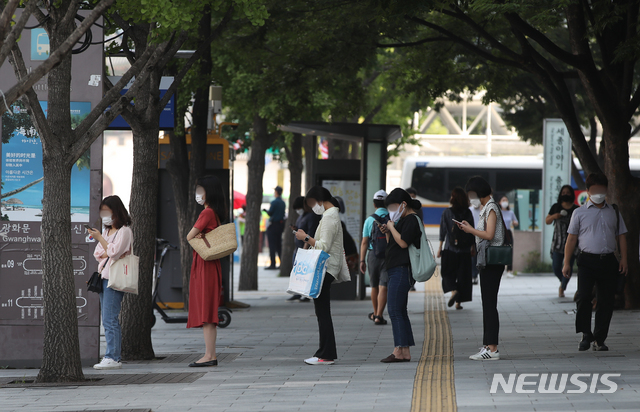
(276, 226)
(375, 243)
(329, 239)
(475, 208)
(402, 230)
(560, 216)
(205, 286)
(510, 220)
(600, 231)
(308, 222)
(114, 242)
(455, 263)
(350, 247)
(490, 231)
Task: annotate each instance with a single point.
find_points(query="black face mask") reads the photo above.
(566, 198)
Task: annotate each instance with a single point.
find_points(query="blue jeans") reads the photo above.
(397, 296)
(558, 262)
(111, 302)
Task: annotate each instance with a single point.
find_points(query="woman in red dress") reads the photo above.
(205, 286)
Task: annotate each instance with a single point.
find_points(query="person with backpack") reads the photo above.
(403, 229)
(375, 242)
(455, 263)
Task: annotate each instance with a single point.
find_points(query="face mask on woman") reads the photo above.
(107, 220)
(396, 214)
(199, 199)
(318, 209)
(566, 198)
(504, 204)
(299, 212)
(475, 203)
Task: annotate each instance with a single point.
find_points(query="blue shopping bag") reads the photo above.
(308, 273)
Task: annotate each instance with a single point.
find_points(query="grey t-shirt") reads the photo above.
(596, 228)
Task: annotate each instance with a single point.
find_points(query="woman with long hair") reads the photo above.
(560, 216)
(328, 238)
(489, 231)
(114, 242)
(455, 250)
(402, 229)
(205, 286)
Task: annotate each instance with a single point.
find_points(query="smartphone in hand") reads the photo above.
(458, 222)
(88, 227)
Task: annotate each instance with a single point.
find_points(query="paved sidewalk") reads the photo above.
(537, 335)
(269, 342)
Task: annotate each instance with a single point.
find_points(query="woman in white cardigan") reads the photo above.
(328, 238)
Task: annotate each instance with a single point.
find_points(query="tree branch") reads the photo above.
(464, 43)
(71, 12)
(413, 43)
(12, 38)
(6, 16)
(215, 33)
(56, 57)
(41, 124)
(114, 93)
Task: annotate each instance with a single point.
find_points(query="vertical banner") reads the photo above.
(556, 172)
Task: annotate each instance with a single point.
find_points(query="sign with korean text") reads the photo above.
(556, 172)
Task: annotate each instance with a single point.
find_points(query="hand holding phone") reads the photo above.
(88, 227)
(294, 231)
(458, 222)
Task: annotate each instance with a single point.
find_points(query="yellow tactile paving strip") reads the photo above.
(434, 385)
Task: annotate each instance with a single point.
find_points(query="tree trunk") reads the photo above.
(178, 168)
(249, 262)
(294, 154)
(61, 353)
(137, 310)
(625, 191)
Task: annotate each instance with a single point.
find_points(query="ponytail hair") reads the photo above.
(319, 194)
(399, 195)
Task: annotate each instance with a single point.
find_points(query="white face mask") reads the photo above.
(475, 203)
(396, 214)
(318, 209)
(299, 212)
(107, 220)
(597, 198)
(504, 204)
(199, 199)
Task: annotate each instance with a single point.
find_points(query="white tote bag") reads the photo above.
(123, 274)
(308, 273)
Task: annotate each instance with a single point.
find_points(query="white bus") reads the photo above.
(517, 177)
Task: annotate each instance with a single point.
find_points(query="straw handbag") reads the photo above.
(218, 243)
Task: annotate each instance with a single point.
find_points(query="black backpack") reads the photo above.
(460, 238)
(379, 239)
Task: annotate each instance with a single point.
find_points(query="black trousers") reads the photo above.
(456, 274)
(322, 304)
(603, 273)
(490, 278)
(274, 235)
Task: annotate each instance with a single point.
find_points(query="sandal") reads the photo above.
(379, 320)
(371, 317)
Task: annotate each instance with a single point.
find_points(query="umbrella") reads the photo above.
(239, 200)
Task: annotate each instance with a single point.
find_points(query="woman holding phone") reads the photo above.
(113, 243)
(489, 231)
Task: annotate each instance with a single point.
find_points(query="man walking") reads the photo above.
(374, 241)
(276, 227)
(599, 230)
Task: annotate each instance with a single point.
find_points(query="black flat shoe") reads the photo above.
(452, 299)
(213, 362)
(392, 359)
(585, 343)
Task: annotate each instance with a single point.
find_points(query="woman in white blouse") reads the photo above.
(328, 238)
(114, 243)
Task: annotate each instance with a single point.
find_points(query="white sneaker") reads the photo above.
(107, 363)
(485, 354)
(510, 275)
(318, 361)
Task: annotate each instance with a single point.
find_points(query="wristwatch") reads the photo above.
(306, 239)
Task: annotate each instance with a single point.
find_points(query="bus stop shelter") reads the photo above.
(355, 179)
